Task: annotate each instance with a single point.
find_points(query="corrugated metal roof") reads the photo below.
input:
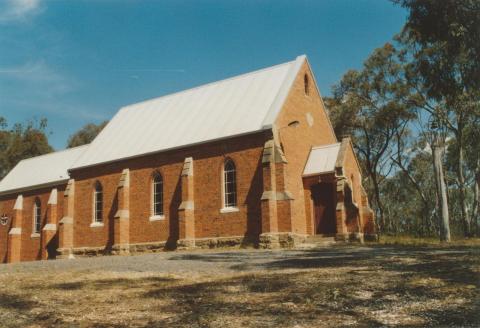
(41, 170)
(322, 159)
(235, 106)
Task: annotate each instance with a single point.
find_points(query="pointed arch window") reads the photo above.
(37, 215)
(157, 195)
(98, 203)
(306, 84)
(229, 184)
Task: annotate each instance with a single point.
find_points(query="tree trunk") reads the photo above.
(476, 193)
(461, 182)
(378, 202)
(444, 224)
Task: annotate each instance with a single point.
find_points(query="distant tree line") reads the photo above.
(413, 112)
(30, 139)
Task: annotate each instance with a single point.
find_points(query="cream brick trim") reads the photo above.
(18, 203)
(279, 155)
(268, 152)
(341, 156)
(188, 167)
(96, 225)
(156, 218)
(66, 220)
(35, 235)
(279, 195)
(122, 214)
(70, 186)
(187, 205)
(229, 210)
(15, 231)
(124, 178)
(50, 227)
(272, 153)
(52, 200)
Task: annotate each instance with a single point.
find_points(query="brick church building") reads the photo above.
(249, 160)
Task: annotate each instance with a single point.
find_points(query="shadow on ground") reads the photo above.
(402, 286)
(361, 286)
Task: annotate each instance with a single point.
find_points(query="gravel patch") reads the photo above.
(219, 260)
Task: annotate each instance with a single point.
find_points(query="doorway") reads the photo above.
(323, 203)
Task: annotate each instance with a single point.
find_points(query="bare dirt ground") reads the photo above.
(367, 286)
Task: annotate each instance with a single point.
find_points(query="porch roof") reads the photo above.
(322, 159)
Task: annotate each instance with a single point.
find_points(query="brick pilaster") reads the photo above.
(65, 226)
(121, 230)
(186, 210)
(269, 205)
(50, 229)
(14, 250)
(341, 211)
(276, 200)
(283, 197)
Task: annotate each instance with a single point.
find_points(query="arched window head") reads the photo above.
(157, 193)
(37, 215)
(229, 184)
(98, 202)
(306, 84)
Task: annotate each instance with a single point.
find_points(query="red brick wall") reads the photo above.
(31, 247)
(351, 170)
(208, 159)
(297, 141)
(6, 207)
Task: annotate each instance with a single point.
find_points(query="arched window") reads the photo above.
(230, 184)
(157, 193)
(37, 216)
(98, 203)
(306, 83)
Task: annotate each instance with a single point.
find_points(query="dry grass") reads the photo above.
(385, 287)
(416, 241)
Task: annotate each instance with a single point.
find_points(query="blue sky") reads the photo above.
(75, 62)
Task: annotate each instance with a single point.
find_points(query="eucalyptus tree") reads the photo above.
(367, 105)
(20, 142)
(443, 40)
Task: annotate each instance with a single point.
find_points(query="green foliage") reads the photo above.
(430, 74)
(369, 106)
(443, 40)
(406, 211)
(85, 135)
(447, 35)
(20, 142)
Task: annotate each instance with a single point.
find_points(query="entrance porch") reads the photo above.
(336, 203)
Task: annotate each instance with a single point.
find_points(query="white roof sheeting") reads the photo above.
(40, 171)
(322, 159)
(239, 105)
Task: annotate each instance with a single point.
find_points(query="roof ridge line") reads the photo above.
(205, 85)
(53, 153)
(283, 91)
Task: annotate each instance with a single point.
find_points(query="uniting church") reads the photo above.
(250, 160)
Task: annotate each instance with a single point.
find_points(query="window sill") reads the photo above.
(96, 224)
(156, 218)
(35, 235)
(229, 209)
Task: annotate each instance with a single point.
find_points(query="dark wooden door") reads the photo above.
(324, 208)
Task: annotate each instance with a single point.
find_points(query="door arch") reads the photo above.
(323, 203)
